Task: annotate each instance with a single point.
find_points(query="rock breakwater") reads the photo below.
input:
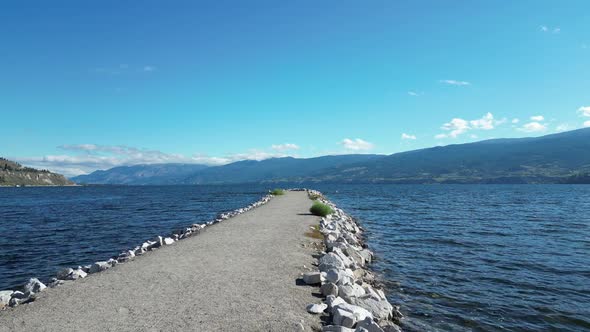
(34, 287)
(352, 299)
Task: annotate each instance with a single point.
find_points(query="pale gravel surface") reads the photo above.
(238, 275)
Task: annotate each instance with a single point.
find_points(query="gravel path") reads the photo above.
(239, 275)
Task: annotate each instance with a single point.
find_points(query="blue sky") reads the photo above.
(93, 86)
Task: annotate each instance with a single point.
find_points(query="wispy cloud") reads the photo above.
(123, 69)
(562, 127)
(87, 158)
(515, 121)
(544, 28)
(584, 111)
(415, 93)
(586, 123)
(408, 136)
(537, 118)
(285, 147)
(356, 144)
(455, 82)
(533, 127)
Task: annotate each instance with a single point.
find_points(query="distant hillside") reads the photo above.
(13, 174)
(274, 169)
(155, 174)
(557, 158)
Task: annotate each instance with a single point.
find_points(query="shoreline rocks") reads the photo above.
(352, 299)
(10, 298)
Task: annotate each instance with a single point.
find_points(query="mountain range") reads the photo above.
(556, 158)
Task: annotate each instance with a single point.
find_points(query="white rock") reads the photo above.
(347, 261)
(332, 275)
(390, 327)
(380, 309)
(158, 241)
(312, 278)
(99, 267)
(331, 261)
(54, 282)
(168, 241)
(347, 314)
(368, 325)
(19, 295)
(336, 328)
(347, 292)
(64, 273)
(333, 301)
(5, 298)
(329, 288)
(34, 286)
(316, 308)
(76, 274)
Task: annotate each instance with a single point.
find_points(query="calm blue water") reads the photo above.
(456, 258)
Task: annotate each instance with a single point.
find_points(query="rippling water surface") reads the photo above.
(455, 258)
(44, 229)
(481, 257)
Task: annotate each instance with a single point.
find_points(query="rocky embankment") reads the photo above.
(14, 174)
(34, 287)
(352, 299)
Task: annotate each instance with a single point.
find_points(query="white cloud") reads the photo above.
(586, 123)
(356, 144)
(537, 118)
(485, 123)
(408, 136)
(454, 82)
(149, 68)
(562, 127)
(547, 29)
(584, 110)
(285, 147)
(532, 127)
(456, 127)
(473, 136)
(515, 120)
(415, 94)
(91, 157)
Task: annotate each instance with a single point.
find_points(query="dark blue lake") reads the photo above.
(455, 258)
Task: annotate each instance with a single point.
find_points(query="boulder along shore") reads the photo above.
(33, 288)
(353, 301)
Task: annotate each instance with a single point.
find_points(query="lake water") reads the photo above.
(480, 257)
(455, 258)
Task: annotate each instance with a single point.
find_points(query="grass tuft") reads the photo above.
(315, 233)
(320, 209)
(313, 197)
(277, 192)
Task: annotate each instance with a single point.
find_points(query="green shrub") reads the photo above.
(277, 192)
(320, 209)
